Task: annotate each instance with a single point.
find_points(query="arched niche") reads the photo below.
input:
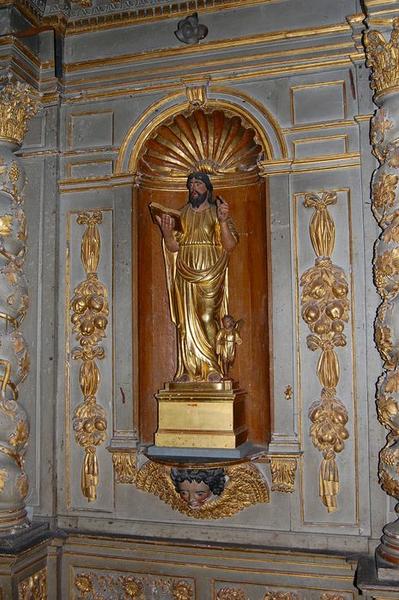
(228, 148)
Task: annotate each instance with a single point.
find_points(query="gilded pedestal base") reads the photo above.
(205, 415)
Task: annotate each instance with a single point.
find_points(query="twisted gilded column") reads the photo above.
(383, 59)
(18, 103)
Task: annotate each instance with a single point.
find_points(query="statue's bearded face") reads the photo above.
(198, 192)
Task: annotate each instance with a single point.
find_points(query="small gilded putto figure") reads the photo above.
(227, 339)
(197, 241)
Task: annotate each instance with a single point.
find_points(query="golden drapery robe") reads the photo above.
(198, 291)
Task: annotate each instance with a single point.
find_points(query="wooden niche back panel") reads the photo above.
(248, 293)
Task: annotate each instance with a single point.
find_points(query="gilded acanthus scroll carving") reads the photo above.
(244, 487)
(283, 474)
(325, 309)
(89, 307)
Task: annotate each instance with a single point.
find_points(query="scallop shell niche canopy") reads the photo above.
(212, 142)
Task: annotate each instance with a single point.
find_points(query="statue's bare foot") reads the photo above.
(183, 378)
(214, 377)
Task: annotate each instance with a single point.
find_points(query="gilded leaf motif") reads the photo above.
(383, 58)
(18, 103)
(19, 438)
(384, 194)
(389, 484)
(124, 467)
(231, 594)
(3, 478)
(22, 485)
(6, 225)
(387, 409)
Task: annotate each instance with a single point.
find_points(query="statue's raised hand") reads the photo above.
(222, 209)
(167, 224)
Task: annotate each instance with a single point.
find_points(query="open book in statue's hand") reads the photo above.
(157, 210)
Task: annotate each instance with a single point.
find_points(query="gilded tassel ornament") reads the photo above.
(89, 307)
(325, 309)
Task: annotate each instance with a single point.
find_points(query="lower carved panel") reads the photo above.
(223, 591)
(34, 587)
(118, 568)
(99, 585)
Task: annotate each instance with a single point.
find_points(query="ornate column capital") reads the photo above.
(18, 103)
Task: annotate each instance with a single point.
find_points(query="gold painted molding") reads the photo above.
(157, 114)
(212, 47)
(325, 309)
(110, 21)
(245, 486)
(89, 307)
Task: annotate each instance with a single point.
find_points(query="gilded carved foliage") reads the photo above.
(93, 585)
(227, 593)
(18, 103)
(380, 125)
(325, 309)
(124, 467)
(244, 487)
(281, 596)
(34, 587)
(283, 474)
(383, 58)
(197, 95)
(89, 307)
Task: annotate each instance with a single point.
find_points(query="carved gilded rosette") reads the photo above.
(97, 585)
(89, 307)
(325, 309)
(18, 103)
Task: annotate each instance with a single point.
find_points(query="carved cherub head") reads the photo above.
(197, 486)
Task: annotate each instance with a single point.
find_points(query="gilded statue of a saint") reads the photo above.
(197, 242)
